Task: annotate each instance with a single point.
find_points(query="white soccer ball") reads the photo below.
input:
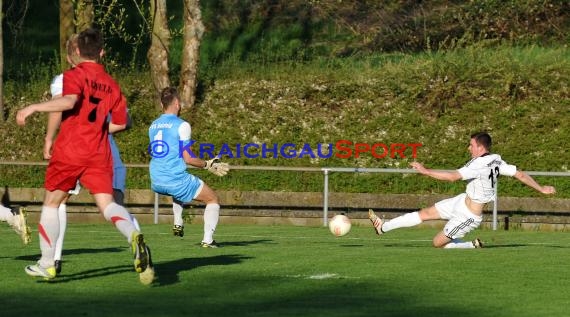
(339, 225)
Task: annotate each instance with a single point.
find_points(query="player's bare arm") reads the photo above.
(440, 175)
(54, 105)
(113, 128)
(194, 161)
(214, 166)
(529, 181)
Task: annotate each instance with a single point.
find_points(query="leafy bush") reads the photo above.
(435, 99)
(365, 71)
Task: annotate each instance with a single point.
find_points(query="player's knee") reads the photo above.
(213, 200)
(439, 242)
(437, 245)
(429, 213)
(210, 196)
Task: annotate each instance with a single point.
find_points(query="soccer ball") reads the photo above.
(339, 225)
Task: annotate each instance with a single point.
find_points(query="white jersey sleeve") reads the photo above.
(184, 131)
(56, 87)
(482, 173)
(507, 169)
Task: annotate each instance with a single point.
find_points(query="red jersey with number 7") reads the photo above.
(83, 135)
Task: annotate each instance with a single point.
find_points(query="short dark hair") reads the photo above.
(484, 139)
(90, 43)
(167, 96)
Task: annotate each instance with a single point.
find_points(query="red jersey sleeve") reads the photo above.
(119, 111)
(73, 82)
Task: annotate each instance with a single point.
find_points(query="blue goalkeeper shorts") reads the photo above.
(184, 191)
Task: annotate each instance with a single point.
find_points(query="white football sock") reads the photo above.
(211, 217)
(48, 232)
(6, 214)
(177, 211)
(459, 244)
(121, 219)
(62, 215)
(135, 222)
(408, 220)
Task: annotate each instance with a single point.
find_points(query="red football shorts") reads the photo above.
(60, 176)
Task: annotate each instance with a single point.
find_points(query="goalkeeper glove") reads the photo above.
(216, 167)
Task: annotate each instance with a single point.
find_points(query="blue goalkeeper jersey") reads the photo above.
(168, 134)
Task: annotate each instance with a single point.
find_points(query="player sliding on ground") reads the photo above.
(463, 211)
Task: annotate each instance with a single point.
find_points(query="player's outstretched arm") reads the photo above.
(54, 105)
(440, 175)
(530, 182)
(214, 166)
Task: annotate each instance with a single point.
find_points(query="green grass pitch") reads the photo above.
(292, 271)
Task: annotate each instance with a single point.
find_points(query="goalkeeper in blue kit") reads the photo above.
(168, 172)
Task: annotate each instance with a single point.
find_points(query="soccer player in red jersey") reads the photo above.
(82, 152)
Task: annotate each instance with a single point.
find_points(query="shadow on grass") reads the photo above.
(66, 278)
(245, 243)
(518, 245)
(82, 276)
(168, 272)
(513, 245)
(407, 245)
(238, 295)
(351, 245)
(260, 295)
(35, 257)
(487, 246)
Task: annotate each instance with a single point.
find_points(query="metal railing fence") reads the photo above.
(326, 171)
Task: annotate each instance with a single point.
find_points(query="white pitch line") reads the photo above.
(321, 276)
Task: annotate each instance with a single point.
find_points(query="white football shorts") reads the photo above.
(461, 219)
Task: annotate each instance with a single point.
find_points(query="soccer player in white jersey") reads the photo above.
(169, 138)
(464, 211)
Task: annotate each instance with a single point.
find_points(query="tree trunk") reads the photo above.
(66, 28)
(2, 119)
(160, 43)
(85, 14)
(193, 31)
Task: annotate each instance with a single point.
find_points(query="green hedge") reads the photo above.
(519, 94)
